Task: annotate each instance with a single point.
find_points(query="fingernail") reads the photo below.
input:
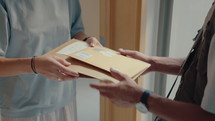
(114, 69)
(68, 63)
(120, 49)
(75, 74)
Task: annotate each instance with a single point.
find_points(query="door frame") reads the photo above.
(122, 25)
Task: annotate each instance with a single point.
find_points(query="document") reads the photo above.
(96, 61)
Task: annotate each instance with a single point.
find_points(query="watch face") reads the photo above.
(141, 107)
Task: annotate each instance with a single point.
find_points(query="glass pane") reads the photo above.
(188, 17)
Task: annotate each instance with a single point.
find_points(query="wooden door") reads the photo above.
(121, 26)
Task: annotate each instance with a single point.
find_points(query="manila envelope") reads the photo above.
(96, 61)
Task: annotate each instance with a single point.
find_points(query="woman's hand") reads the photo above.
(92, 41)
(54, 68)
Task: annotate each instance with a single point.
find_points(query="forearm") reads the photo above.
(166, 64)
(177, 111)
(14, 66)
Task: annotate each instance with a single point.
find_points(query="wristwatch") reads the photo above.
(142, 106)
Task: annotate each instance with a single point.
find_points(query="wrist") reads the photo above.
(33, 67)
(153, 60)
(85, 39)
(144, 97)
(142, 105)
(139, 93)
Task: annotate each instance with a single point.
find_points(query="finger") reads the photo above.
(51, 76)
(134, 54)
(60, 77)
(102, 86)
(92, 44)
(68, 71)
(92, 41)
(131, 53)
(61, 67)
(57, 75)
(118, 75)
(68, 78)
(97, 43)
(62, 61)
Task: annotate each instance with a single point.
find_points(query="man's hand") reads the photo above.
(126, 93)
(138, 55)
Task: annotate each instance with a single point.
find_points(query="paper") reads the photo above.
(97, 61)
(72, 48)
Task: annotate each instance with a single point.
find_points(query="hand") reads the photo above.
(138, 55)
(54, 68)
(126, 93)
(92, 41)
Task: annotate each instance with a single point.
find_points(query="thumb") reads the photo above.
(117, 75)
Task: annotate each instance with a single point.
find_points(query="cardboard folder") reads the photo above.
(96, 61)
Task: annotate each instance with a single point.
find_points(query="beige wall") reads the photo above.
(90, 15)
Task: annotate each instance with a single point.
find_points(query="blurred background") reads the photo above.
(170, 26)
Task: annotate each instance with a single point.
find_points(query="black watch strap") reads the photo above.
(145, 96)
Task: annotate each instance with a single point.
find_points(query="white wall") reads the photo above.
(87, 98)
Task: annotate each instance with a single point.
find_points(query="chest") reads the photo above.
(34, 17)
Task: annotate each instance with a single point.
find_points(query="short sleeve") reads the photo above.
(77, 24)
(4, 30)
(208, 101)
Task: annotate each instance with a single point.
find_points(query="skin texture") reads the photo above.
(124, 94)
(92, 41)
(158, 64)
(51, 67)
(127, 93)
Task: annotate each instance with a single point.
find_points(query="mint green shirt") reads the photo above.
(31, 28)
